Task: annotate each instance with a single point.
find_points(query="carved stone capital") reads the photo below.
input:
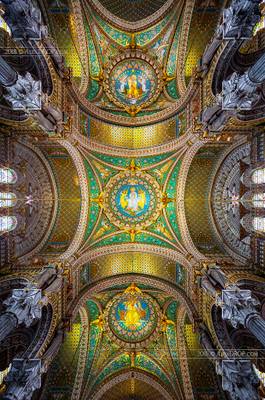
(26, 304)
(237, 305)
(238, 379)
(25, 94)
(23, 379)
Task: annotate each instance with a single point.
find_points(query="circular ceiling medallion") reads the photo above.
(132, 199)
(132, 317)
(133, 81)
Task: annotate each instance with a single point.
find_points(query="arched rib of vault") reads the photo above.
(81, 43)
(80, 231)
(92, 109)
(176, 292)
(182, 353)
(178, 144)
(173, 255)
(182, 50)
(135, 26)
(141, 376)
(181, 186)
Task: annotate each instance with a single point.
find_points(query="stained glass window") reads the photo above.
(7, 199)
(7, 223)
(7, 176)
(259, 200)
(258, 176)
(259, 224)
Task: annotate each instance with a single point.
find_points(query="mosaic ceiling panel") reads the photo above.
(132, 200)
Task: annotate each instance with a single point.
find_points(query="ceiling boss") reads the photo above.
(132, 199)
(132, 81)
(132, 318)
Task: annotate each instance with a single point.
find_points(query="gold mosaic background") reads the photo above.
(132, 138)
(140, 263)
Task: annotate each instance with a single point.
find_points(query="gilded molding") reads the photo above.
(168, 112)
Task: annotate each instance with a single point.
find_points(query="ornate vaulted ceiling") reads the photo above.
(133, 196)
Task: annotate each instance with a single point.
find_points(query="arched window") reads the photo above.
(259, 200)
(7, 223)
(7, 199)
(7, 176)
(259, 224)
(258, 176)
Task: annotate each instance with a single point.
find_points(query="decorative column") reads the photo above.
(22, 307)
(238, 376)
(25, 374)
(239, 19)
(8, 76)
(239, 307)
(237, 24)
(24, 19)
(239, 379)
(241, 92)
(23, 92)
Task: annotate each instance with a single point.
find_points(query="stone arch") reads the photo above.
(141, 376)
(176, 292)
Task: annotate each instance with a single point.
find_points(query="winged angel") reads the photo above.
(132, 200)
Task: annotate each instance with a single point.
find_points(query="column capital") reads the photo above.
(239, 379)
(26, 304)
(23, 379)
(237, 305)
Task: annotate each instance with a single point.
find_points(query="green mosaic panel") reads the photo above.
(121, 38)
(121, 362)
(145, 363)
(146, 36)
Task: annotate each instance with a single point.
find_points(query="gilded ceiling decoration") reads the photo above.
(132, 199)
(132, 317)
